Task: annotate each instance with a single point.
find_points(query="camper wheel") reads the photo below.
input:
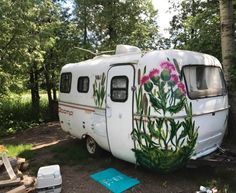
(92, 147)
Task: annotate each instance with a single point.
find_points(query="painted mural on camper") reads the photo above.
(99, 90)
(162, 142)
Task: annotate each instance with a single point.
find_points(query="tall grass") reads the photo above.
(16, 113)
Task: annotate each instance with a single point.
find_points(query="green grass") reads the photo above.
(71, 154)
(16, 113)
(22, 150)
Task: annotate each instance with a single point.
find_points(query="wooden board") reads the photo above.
(8, 167)
(5, 183)
(19, 189)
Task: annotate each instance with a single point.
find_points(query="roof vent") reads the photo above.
(124, 49)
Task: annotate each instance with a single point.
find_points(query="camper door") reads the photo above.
(119, 111)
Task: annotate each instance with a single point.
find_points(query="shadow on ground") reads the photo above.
(52, 146)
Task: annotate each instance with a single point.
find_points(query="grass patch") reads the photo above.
(71, 153)
(16, 113)
(23, 150)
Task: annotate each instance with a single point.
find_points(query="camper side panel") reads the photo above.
(81, 113)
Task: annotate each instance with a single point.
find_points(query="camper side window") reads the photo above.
(83, 84)
(119, 88)
(65, 83)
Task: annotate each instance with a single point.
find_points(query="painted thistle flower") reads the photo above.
(168, 66)
(178, 93)
(174, 78)
(148, 86)
(165, 75)
(153, 75)
(144, 79)
(181, 87)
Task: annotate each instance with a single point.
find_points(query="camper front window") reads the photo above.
(204, 81)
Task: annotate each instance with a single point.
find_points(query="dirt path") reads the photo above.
(49, 142)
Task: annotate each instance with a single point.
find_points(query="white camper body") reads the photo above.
(101, 97)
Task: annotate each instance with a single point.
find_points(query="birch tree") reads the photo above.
(227, 35)
(228, 50)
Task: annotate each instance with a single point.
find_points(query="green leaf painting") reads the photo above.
(162, 142)
(99, 91)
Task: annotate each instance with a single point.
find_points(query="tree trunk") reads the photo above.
(34, 91)
(111, 6)
(49, 93)
(54, 89)
(227, 36)
(228, 49)
(85, 15)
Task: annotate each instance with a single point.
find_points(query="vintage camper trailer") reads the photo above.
(157, 109)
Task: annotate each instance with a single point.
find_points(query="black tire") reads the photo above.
(92, 147)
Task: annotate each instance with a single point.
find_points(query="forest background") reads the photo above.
(38, 37)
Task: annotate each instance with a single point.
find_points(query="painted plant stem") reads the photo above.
(99, 91)
(164, 144)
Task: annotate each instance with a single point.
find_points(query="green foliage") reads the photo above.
(232, 75)
(16, 113)
(196, 26)
(39, 37)
(104, 24)
(23, 34)
(33, 36)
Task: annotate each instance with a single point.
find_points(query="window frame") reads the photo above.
(78, 89)
(70, 82)
(202, 65)
(121, 89)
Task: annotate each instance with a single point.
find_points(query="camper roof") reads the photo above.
(130, 54)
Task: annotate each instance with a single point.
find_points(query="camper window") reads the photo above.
(83, 84)
(65, 83)
(204, 81)
(119, 88)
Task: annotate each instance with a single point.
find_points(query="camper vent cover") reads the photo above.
(124, 49)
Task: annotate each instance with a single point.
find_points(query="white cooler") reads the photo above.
(49, 179)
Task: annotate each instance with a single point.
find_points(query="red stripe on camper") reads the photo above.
(77, 107)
